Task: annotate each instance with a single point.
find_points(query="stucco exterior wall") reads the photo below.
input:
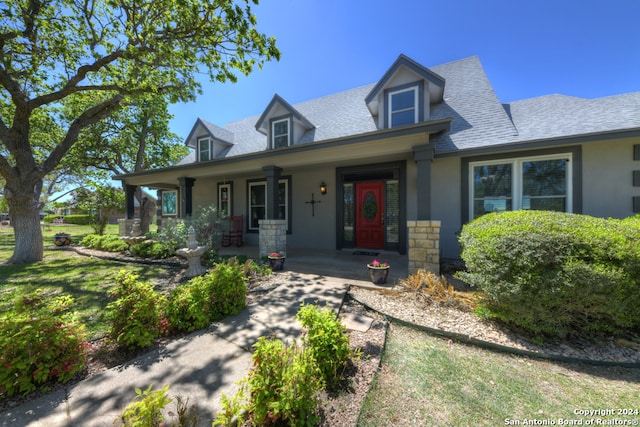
(313, 231)
(446, 203)
(609, 191)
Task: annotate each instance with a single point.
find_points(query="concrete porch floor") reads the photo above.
(335, 263)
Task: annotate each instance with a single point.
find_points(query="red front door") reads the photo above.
(370, 215)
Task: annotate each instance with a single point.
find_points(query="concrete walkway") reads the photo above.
(200, 367)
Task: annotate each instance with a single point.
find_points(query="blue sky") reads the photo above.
(581, 48)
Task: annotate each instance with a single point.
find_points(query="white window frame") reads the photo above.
(516, 183)
(209, 143)
(273, 131)
(250, 205)
(391, 111)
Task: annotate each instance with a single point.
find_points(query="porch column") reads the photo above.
(424, 234)
(272, 173)
(159, 209)
(130, 194)
(186, 195)
(423, 155)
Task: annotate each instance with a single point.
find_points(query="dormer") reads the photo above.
(209, 141)
(282, 124)
(404, 94)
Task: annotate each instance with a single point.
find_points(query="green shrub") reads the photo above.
(555, 274)
(189, 307)
(40, 342)
(326, 339)
(281, 388)
(207, 298)
(151, 249)
(104, 242)
(146, 410)
(80, 219)
(136, 317)
(50, 218)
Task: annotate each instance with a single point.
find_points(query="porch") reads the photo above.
(345, 263)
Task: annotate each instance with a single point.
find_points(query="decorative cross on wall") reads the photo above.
(313, 204)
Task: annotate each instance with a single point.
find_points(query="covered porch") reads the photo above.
(345, 263)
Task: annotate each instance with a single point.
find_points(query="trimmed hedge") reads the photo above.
(555, 274)
(79, 219)
(104, 242)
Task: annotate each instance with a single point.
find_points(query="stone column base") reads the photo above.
(424, 246)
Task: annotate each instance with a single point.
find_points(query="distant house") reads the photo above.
(420, 144)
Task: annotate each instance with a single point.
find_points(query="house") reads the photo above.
(401, 164)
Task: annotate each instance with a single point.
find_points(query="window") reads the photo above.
(257, 205)
(280, 133)
(537, 183)
(403, 107)
(225, 198)
(205, 149)
(170, 202)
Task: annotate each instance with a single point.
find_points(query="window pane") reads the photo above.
(258, 194)
(544, 178)
(347, 190)
(492, 189)
(281, 141)
(204, 150)
(280, 128)
(257, 213)
(403, 100)
(402, 118)
(393, 211)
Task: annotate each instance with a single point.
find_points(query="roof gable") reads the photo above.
(406, 65)
(203, 128)
(279, 107)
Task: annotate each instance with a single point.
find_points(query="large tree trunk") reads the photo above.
(24, 210)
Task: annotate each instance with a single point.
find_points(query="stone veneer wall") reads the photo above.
(424, 246)
(273, 236)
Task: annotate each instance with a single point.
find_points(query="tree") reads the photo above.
(75, 62)
(135, 138)
(104, 203)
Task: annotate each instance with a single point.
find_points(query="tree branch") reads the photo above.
(87, 118)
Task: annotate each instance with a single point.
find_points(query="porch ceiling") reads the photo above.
(381, 144)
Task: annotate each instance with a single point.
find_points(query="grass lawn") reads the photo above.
(431, 381)
(88, 280)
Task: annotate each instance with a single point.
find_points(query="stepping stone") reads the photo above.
(356, 322)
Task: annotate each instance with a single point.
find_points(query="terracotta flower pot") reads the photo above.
(62, 240)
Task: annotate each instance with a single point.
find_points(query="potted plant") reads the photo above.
(62, 239)
(276, 260)
(378, 272)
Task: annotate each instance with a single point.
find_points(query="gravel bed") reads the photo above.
(450, 319)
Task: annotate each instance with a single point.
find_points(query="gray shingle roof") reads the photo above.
(479, 119)
(555, 116)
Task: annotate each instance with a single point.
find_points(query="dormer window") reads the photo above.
(281, 133)
(403, 107)
(205, 149)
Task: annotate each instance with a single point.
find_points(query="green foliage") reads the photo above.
(136, 316)
(553, 273)
(326, 339)
(146, 410)
(151, 249)
(206, 224)
(67, 65)
(40, 342)
(104, 202)
(79, 219)
(283, 384)
(50, 218)
(104, 242)
(207, 298)
(281, 388)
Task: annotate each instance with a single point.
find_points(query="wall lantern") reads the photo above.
(323, 188)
